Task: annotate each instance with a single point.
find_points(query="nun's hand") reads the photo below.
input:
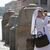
(35, 26)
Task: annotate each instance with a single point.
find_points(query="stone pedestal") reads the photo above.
(12, 39)
(22, 34)
(12, 23)
(7, 34)
(3, 33)
(23, 31)
(5, 27)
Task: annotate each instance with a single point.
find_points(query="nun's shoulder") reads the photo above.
(47, 17)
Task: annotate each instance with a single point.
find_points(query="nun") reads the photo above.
(34, 16)
(38, 23)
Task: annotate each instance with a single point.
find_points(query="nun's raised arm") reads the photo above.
(33, 21)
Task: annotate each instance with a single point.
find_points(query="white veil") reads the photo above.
(33, 20)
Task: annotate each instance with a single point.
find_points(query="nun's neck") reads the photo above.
(39, 16)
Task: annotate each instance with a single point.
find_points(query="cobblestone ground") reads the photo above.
(2, 47)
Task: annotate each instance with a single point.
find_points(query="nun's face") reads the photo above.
(45, 13)
(40, 13)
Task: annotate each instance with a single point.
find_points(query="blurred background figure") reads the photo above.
(45, 12)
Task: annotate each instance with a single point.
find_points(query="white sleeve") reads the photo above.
(32, 25)
(33, 21)
(46, 21)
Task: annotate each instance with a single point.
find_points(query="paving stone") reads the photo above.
(2, 47)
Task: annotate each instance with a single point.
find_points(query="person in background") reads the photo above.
(45, 12)
(45, 17)
(47, 29)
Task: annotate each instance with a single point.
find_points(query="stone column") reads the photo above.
(12, 38)
(39, 4)
(3, 32)
(13, 21)
(6, 17)
(23, 31)
(48, 5)
(7, 29)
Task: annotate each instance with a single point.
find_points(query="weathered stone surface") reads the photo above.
(21, 36)
(5, 26)
(12, 39)
(23, 31)
(3, 33)
(13, 22)
(7, 34)
(4, 22)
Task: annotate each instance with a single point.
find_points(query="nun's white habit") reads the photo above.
(32, 31)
